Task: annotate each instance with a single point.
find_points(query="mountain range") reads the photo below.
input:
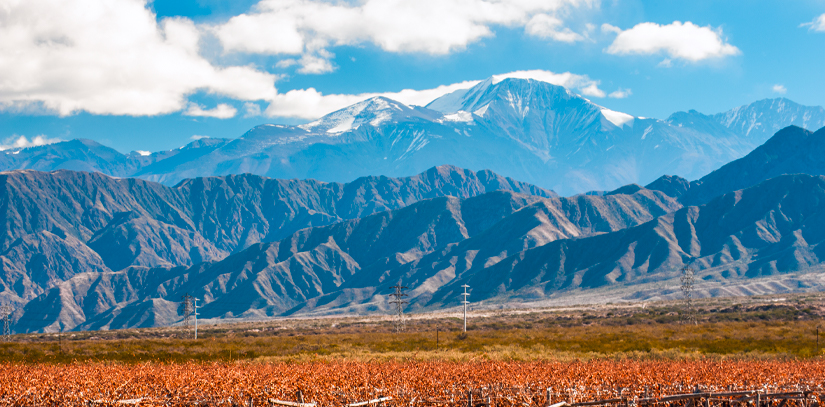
(273, 277)
(525, 129)
(446, 227)
(104, 240)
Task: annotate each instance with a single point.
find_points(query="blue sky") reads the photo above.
(150, 76)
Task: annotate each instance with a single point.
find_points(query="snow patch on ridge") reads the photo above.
(459, 116)
(618, 118)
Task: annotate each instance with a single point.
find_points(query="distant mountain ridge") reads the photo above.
(792, 150)
(61, 224)
(524, 129)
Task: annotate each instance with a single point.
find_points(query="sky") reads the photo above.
(149, 76)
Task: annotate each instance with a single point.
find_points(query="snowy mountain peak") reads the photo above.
(374, 111)
(762, 118)
(516, 92)
(516, 101)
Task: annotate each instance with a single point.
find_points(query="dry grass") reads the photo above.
(732, 329)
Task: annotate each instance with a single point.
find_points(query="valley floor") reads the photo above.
(741, 327)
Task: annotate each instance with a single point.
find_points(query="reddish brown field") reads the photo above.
(410, 383)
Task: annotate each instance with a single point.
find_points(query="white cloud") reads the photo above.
(817, 25)
(780, 89)
(15, 142)
(687, 41)
(110, 57)
(311, 104)
(198, 137)
(251, 110)
(436, 27)
(222, 111)
(607, 28)
(316, 64)
(620, 94)
(551, 27)
(114, 57)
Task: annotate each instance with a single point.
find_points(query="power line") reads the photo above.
(399, 305)
(465, 302)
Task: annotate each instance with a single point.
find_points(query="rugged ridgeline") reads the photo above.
(536, 249)
(767, 229)
(792, 150)
(346, 265)
(61, 224)
(529, 130)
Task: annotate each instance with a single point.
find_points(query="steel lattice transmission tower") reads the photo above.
(188, 309)
(5, 312)
(688, 278)
(398, 301)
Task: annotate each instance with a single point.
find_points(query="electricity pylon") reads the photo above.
(398, 301)
(5, 313)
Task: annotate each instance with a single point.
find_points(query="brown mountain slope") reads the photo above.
(348, 263)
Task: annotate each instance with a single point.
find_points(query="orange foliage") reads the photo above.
(408, 382)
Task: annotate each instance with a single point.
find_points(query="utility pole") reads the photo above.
(5, 312)
(465, 302)
(688, 276)
(398, 300)
(187, 309)
(195, 313)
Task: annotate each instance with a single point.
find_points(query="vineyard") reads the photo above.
(418, 383)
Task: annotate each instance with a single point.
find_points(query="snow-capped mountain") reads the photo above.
(375, 111)
(531, 112)
(761, 120)
(522, 128)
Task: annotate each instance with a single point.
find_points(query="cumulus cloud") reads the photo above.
(620, 94)
(251, 110)
(311, 104)
(16, 142)
(817, 25)
(110, 57)
(436, 27)
(780, 89)
(685, 41)
(316, 63)
(221, 111)
(113, 57)
(551, 27)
